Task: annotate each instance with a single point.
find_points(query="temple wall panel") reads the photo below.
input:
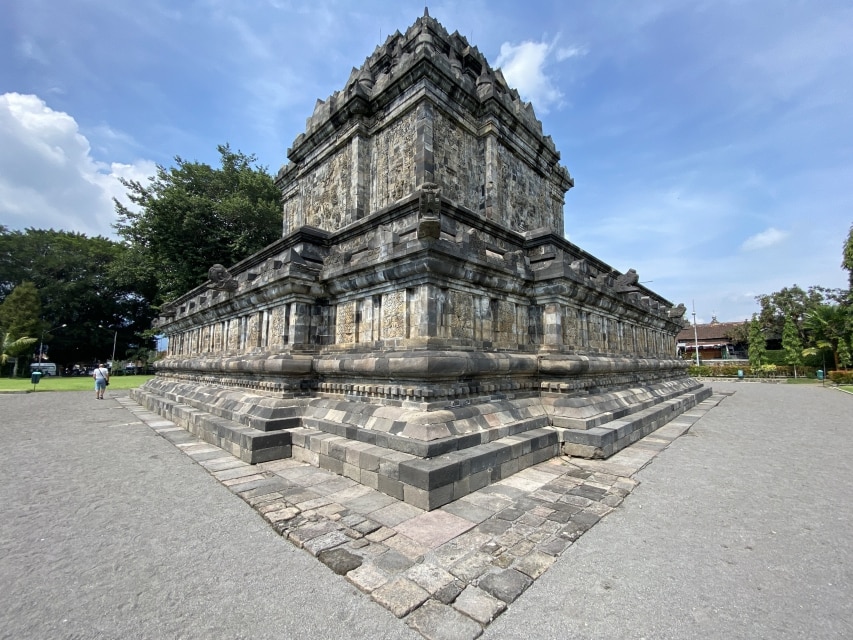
(233, 343)
(524, 197)
(345, 332)
(277, 327)
(522, 319)
(253, 331)
(459, 165)
(594, 331)
(461, 315)
(393, 168)
(571, 328)
(364, 321)
(505, 327)
(394, 320)
(482, 318)
(292, 214)
(326, 192)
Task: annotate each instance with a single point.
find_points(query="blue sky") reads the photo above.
(711, 142)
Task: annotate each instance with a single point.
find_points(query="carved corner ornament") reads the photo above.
(627, 282)
(677, 313)
(601, 280)
(221, 279)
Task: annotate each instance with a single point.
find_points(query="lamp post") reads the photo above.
(695, 334)
(115, 340)
(41, 342)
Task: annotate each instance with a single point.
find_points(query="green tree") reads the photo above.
(72, 275)
(757, 343)
(193, 216)
(845, 354)
(20, 312)
(847, 258)
(791, 302)
(739, 333)
(828, 328)
(792, 345)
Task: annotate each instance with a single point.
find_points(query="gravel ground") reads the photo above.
(740, 529)
(108, 531)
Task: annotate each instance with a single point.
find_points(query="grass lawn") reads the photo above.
(76, 383)
(846, 387)
(803, 381)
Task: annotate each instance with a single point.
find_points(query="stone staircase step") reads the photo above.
(606, 439)
(249, 444)
(426, 483)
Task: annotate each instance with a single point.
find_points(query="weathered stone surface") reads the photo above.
(325, 541)
(368, 577)
(437, 621)
(534, 564)
(430, 577)
(422, 327)
(340, 561)
(506, 585)
(479, 605)
(400, 596)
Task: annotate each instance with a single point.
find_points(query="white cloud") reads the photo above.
(48, 177)
(766, 238)
(524, 67)
(571, 52)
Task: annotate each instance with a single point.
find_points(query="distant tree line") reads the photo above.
(815, 325)
(79, 295)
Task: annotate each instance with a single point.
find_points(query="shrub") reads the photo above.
(702, 371)
(841, 377)
(776, 356)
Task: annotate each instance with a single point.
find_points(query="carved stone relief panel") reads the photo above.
(504, 325)
(482, 318)
(345, 325)
(364, 320)
(392, 161)
(253, 331)
(571, 328)
(595, 330)
(524, 196)
(535, 324)
(607, 334)
(277, 328)
(216, 337)
(462, 315)
(233, 334)
(459, 166)
(394, 314)
(326, 192)
(522, 321)
(292, 214)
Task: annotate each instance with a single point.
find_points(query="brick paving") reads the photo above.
(447, 573)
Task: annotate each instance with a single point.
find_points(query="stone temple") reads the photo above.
(422, 326)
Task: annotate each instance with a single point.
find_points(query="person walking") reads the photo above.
(102, 379)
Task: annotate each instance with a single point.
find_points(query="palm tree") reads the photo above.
(12, 347)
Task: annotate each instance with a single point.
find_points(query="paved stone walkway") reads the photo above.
(450, 572)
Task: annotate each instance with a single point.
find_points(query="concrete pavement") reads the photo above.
(738, 529)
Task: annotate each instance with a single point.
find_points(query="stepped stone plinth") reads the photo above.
(422, 326)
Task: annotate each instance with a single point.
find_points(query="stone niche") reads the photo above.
(422, 326)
